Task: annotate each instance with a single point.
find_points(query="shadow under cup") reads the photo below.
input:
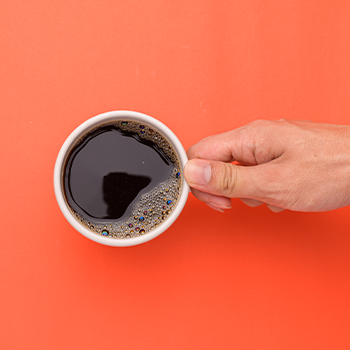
(133, 188)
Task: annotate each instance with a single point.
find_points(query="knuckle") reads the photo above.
(262, 122)
(275, 209)
(258, 122)
(227, 180)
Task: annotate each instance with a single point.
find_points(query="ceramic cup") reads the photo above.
(80, 131)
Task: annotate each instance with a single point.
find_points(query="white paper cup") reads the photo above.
(79, 132)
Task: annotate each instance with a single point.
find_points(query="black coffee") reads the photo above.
(122, 179)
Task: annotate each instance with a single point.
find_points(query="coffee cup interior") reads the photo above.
(118, 178)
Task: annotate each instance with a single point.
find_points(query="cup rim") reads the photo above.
(76, 134)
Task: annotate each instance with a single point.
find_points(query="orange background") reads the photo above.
(246, 279)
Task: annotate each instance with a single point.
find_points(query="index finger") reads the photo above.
(255, 143)
(225, 147)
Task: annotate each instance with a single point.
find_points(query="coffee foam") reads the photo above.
(154, 207)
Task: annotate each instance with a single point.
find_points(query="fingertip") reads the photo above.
(214, 147)
(218, 201)
(220, 210)
(190, 152)
(223, 207)
(251, 202)
(275, 209)
(197, 172)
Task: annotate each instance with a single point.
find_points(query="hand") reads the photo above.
(295, 165)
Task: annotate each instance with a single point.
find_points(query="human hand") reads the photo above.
(295, 165)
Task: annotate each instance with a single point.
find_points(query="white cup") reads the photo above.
(79, 132)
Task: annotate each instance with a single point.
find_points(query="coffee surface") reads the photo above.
(122, 179)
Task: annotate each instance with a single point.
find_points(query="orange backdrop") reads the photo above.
(246, 279)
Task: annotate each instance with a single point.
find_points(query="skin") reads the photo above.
(295, 165)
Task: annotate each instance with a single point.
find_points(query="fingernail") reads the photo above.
(219, 205)
(215, 208)
(198, 172)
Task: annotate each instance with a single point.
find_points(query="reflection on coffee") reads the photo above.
(122, 179)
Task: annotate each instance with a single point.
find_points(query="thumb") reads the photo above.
(222, 179)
